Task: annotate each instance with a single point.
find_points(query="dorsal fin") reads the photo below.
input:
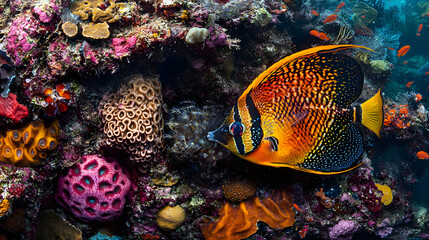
(326, 48)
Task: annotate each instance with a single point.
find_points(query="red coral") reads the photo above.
(10, 108)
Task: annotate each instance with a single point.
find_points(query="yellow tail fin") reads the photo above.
(372, 113)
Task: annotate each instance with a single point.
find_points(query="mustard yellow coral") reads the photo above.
(387, 197)
(96, 30)
(99, 10)
(29, 146)
(170, 218)
(4, 207)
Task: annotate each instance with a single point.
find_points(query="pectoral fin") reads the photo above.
(274, 143)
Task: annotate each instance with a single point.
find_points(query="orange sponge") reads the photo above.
(29, 146)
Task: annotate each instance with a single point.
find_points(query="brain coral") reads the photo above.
(170, 218)
(95, 189)
(238, 189)
(132, 119)
(29, 146)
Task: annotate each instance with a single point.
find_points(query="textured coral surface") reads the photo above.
(27, 147)
(95, 189)
(132, 119)
(241, 221)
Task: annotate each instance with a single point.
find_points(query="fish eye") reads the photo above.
(236, 129)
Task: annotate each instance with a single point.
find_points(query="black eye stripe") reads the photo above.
(255, 120)
(237, 139)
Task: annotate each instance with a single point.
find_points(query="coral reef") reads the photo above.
(387, 197)
(238, 189)
(4, 207)
(10, 108)
(241, 221)
(344, 230)
(369, 14)
(187, 140)
(95, 189)
(170, 218)
(132, 120)
(27, 147)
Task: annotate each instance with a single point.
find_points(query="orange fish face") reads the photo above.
(241, 132)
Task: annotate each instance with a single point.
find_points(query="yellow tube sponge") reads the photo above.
(387, 197)
(27, 147)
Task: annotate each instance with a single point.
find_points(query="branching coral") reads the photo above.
(240, 222)
(29, 146)
(132, 119)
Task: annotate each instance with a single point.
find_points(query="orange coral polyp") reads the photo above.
(27, 147)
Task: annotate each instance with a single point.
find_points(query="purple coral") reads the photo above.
(344, 230)
(95, 189)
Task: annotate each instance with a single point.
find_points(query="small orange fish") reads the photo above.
(297, 208)
(427, 73)
(418, 34)
(320, 35)
(330, 18)
(405, 63)
(403, 51)
(418, 97)
(409, 84)
(340, 6)
(420, 28)
(314, 13)
(363, 16)
(57, 100)
(391, 48)
(422, 155)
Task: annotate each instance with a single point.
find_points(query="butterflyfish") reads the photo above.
(298, 114)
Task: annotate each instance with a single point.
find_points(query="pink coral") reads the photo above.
(46, 11)
(95, 189)
(10, 108)
(123, 46)
(344, 230)
(20, 37)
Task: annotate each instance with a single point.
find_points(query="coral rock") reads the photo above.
(361, 9)
(29, 146)
(343, 230)
(4, 207)
(69, 29)
(387, 197)
(239, 189)
(95, 189)
(132, 119)
(100, 10)
(170, 218)
(10, 108)
(52, 226)
(240, 222)
(196, 35)
(96, 30)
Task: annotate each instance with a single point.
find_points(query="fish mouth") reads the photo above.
(211, 136)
